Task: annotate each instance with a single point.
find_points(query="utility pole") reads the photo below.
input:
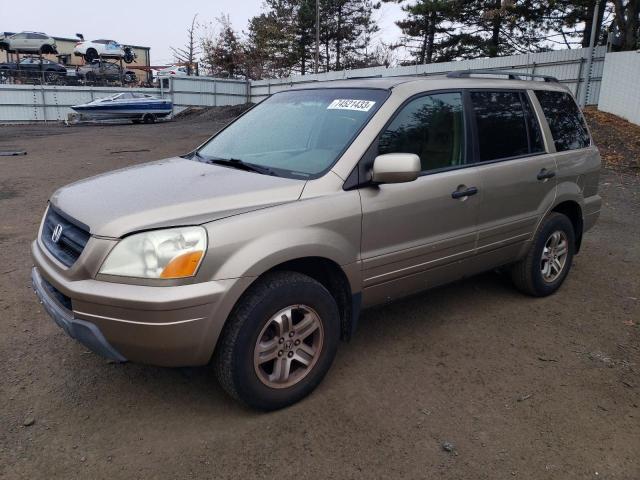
(592, 42)
(317, 35)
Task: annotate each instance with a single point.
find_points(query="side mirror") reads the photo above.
(396, 168)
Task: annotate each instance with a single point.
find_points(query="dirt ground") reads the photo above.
(520, 387)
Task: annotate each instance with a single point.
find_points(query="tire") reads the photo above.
(129, 77)
(538, 276)
(238, 366)
(128, 56)
(90, 55)
(149, 118)
(51, 76)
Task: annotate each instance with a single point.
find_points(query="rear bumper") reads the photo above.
(171, 326)
(591, 212)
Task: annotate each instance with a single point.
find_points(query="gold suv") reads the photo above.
(258, 250)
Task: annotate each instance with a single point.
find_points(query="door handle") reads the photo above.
(545, 174)
(467, 192)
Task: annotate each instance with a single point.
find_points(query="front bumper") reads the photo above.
(170, 326)
(85, 332)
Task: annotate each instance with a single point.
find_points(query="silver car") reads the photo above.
(29, 42)
(258, 250)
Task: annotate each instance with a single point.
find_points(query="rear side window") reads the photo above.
(505, 124)
(432, 127)
(565, 120)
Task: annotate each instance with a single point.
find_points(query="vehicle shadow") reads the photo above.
(141, 391)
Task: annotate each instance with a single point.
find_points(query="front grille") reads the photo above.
(71, 241)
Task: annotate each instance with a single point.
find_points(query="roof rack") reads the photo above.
(511, 75)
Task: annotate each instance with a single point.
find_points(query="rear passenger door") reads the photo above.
(516, 170)
(578, 160)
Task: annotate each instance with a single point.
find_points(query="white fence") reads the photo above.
(620, 92)
(29, 103)
(210, 92)
(569, 66)
(52, 103)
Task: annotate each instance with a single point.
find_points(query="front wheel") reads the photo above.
(549, 258)
(51, 77)
(279, 341)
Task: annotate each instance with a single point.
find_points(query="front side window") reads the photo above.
(432, 127)
(501, 125)
(296, 133)
(565, 120)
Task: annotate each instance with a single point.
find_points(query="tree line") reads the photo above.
(281, 41)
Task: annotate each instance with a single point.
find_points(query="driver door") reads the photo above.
(419, 234)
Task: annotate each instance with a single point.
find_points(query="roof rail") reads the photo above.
(510, 74)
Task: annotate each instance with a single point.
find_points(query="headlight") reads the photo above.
(170, 253)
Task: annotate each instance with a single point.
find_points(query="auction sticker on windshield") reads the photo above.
(346, 104)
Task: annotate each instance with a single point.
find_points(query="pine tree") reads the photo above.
(424, 26)
(223, 55)
(627, 23)
(282, 40)
(491, 28)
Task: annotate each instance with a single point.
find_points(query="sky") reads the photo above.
(158, 24)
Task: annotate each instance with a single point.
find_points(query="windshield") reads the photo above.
(298, 132)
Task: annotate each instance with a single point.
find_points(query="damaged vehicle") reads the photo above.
(35, 68)
(105, 71)
(91, 50)
(257, 251)
(29, 42)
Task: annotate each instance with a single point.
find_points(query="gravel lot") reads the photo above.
(519, 387)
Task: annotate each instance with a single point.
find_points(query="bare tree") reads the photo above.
(187, 54)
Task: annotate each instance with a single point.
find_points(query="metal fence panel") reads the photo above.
(37, 103)
(567, 65)
(28, 103)
(620, 89)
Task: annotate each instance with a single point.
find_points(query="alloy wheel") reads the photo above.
(554, 256)
(288, 347)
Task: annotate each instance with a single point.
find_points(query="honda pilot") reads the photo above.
(257, 251)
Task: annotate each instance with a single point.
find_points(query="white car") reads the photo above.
(103, 48)
(173, 71)
(31, 42)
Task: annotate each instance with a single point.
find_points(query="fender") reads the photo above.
(247, 245)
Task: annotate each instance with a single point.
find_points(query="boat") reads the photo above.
(138, 107)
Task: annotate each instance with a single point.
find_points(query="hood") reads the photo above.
(171, 192)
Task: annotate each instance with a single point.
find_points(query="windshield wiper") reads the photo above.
(239, 164)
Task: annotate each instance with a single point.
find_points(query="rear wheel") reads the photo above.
(279, 341)
(128, 55)
(149, 118)
(549, 258)
(90, 55)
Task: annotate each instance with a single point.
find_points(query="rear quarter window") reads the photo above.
(504, 128)
(565, 121)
